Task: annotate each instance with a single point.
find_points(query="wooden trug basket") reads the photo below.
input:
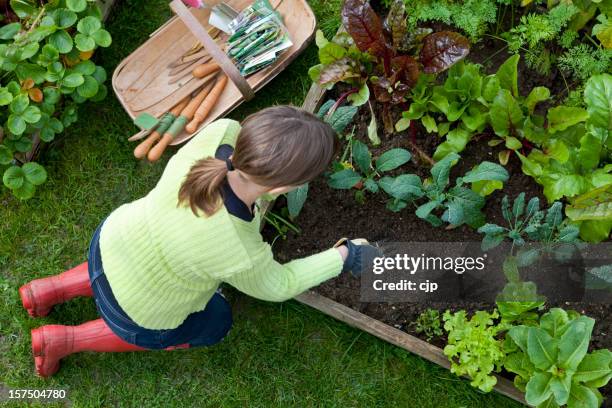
(140, 81)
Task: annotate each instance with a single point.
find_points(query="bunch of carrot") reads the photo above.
(187, 115)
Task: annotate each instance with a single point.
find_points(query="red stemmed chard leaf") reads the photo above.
(366, 28)
(404, 75)
(382, 88)
(396, 25)
(442, 50)
(406, 69)
(341, 70)
(396, 57)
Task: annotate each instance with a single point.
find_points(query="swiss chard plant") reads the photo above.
(512, 116)
(592, 211)
(395, 58)
(575, 156)
(552, 363)
(45, 59)
(474, 348)
(469, 101)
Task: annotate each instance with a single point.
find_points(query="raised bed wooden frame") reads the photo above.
(375, 327)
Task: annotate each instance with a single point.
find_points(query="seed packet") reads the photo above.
(258, 37)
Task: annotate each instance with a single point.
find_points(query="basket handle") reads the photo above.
(213, 49)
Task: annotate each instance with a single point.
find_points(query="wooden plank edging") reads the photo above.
(394, 336)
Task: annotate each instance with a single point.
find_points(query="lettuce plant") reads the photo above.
(459, 100)
(469, 101)
(518, 301)
(552, 363)
(473, 346)
(575, 156)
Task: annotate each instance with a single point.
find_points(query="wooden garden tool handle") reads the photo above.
(181, 70)
(143, 148)
(205, 69)
(179, 124)
(207, 104)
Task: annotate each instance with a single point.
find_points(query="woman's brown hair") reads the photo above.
(276, 147)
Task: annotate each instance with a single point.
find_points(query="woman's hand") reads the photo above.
(343, 252)
(359, 255)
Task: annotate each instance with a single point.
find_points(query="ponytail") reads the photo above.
(202, 187)
(280, 146)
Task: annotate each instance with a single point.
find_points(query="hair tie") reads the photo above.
(229, 165)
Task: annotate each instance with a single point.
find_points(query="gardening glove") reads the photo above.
(360, 255)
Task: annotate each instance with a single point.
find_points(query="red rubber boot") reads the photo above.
(40, 295)
(51, 343)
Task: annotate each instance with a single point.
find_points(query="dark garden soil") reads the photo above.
(331, 214)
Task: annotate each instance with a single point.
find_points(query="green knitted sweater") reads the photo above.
(163, 263)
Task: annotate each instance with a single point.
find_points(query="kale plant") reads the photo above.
(455, 205)
(529, 222)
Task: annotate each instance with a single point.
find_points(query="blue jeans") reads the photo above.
(203, 328)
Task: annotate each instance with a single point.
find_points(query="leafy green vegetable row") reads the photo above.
(568, 152)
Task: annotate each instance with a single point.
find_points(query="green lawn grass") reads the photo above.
(276, 355)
